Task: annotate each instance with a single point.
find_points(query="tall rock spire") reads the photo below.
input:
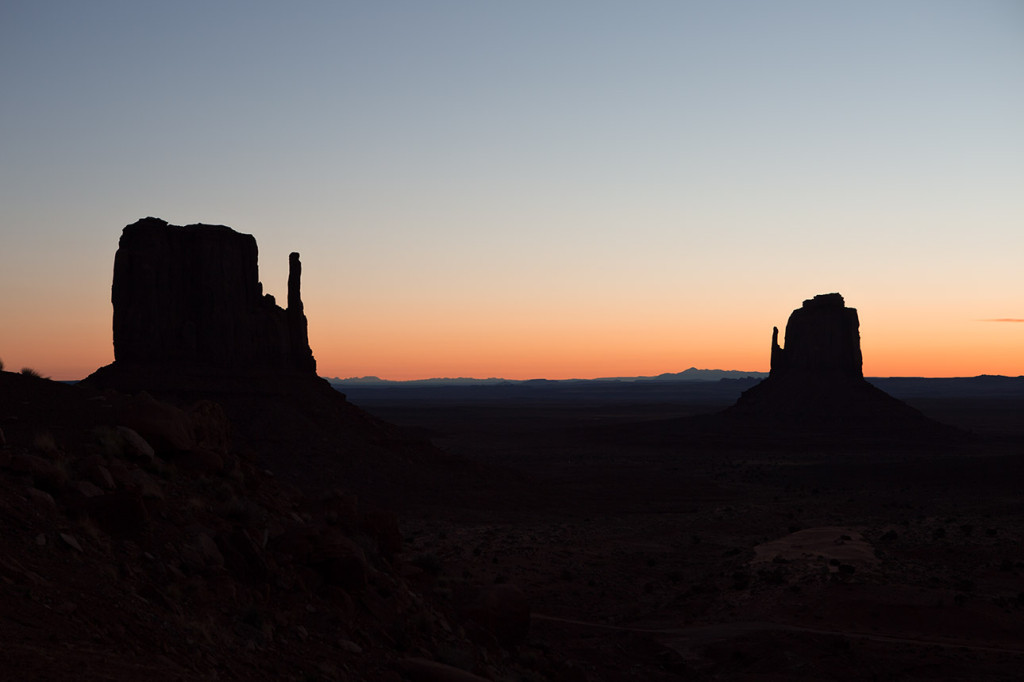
(301, 356)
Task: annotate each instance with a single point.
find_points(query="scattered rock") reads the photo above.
(349, 646)
(94, 470)
(122, 513)
(134, 445)
(211, 554)
(340, 561)
(71, 541)
(242, 557)
(210, 426)
(145, 484)
(87, 489)
(200, 462)
(424, 670)
(45, 474)
(42, 499)
(166, 427)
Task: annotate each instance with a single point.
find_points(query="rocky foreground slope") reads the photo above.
(138, 543)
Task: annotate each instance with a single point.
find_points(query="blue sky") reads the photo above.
(531, 188)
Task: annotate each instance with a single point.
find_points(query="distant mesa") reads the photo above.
(817, 384)
(191, 296)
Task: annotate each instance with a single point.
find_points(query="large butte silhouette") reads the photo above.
(191, 322)
(817, 386)
(191, 297)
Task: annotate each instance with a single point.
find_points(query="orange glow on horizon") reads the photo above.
(555, 348)
(60, 365)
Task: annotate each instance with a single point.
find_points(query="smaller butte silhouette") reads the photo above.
(817, 386)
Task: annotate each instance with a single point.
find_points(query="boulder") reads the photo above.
(210, 425)
(45, 474)
(135, 446)
(166, 428)
(340, 561)
(122, 513)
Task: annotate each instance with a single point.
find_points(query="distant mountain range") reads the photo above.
(692, 374)
(696, 384)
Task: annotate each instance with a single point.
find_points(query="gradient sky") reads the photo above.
(530, 189)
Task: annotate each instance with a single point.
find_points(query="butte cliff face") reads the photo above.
(817, 385)
(822, 336)
(191, 296)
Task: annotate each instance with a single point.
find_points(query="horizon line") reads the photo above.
(373, 377)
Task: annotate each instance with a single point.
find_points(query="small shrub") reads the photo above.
(29, 372)
(1, 364)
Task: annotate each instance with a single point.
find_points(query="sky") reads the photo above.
(533, 188)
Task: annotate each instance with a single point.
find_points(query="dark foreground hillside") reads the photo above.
(145, 539)
(555, 550)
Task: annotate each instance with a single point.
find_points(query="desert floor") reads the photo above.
(671, 560)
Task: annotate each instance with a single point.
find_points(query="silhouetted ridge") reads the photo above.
(192, 296)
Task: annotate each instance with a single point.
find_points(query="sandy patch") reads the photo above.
(828, 542)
